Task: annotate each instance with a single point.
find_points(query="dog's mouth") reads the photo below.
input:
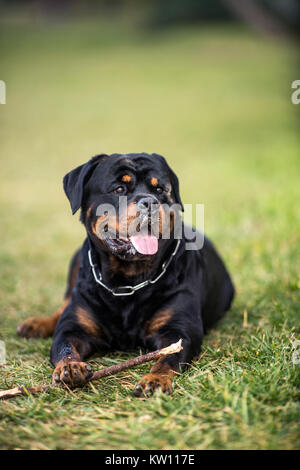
(137, 245)
(142, 243)
(138, 242)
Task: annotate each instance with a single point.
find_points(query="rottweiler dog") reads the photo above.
(132, 290)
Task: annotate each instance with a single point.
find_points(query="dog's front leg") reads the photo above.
(180, 320)
(76, 338)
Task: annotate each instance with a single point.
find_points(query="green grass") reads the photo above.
(216, 102)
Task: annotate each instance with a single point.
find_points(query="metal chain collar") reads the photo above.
(129, 290)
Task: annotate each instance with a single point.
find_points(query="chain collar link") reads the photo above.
(129, 290)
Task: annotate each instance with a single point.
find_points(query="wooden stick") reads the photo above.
(136, 361)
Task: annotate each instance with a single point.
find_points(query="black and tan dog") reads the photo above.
(172, 292)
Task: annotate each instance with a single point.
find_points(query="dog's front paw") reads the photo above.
(151, 382)
(35, 327)
(73, 374)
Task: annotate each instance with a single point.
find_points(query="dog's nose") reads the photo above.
(147, 205)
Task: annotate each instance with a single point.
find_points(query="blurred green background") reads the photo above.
(213, 95)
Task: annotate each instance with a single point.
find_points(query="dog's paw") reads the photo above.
(35, 327)
(73, 374)
(151, 382)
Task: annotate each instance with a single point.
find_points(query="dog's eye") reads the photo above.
(119, 190)
(159, 190)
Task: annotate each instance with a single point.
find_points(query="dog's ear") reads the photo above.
(175, 187)
(75, 180)
(174, 182)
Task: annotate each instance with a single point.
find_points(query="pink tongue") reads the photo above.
(145, 244)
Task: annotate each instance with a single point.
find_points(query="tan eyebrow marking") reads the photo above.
(154, 181)
(126, 178)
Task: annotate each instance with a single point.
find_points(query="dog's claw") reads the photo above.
(138, 391)
(149, 389)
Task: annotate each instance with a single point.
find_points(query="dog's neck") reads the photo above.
(118, 271)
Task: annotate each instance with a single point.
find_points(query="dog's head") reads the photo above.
(128, 202)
